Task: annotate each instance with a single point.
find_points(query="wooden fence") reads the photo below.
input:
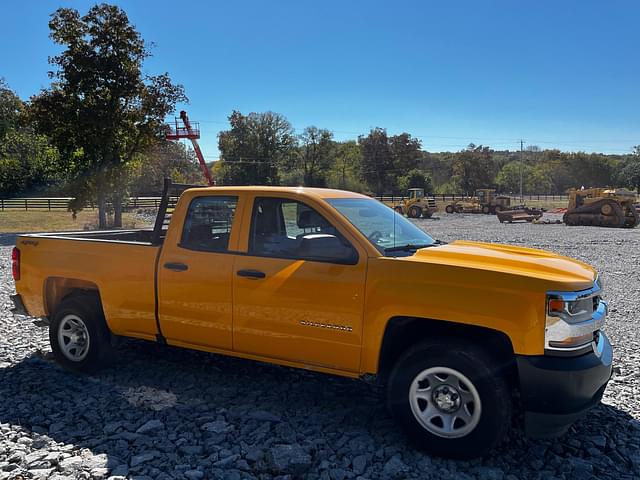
(62, 203)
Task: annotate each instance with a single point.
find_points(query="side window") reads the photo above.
(208, 223)
(289, 229)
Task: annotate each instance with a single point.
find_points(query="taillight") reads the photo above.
(15, 263)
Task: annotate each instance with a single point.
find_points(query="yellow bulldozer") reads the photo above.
(417, 205)
(602, 207)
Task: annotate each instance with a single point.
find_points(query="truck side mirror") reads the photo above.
(323, 247)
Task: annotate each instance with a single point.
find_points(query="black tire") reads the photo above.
(399, 209)
(449, 209)
(459, 209)
(84, 308)
(486, 209)
(415, 212)
(485, 376)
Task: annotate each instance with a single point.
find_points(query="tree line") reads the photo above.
(262, 148)
(97, 133)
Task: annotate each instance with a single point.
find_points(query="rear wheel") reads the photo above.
(449, 209)
(79, 336)
(486, 209)
(451, 398)
(398, 209)
(415, 212)
(459, 209)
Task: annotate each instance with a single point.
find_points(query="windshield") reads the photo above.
(386, 230)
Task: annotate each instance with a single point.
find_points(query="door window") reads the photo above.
(290, 229)
(208, 223)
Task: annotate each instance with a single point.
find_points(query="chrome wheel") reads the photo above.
(445, 402)
(73, 338)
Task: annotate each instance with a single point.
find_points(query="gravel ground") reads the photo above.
(162, 413)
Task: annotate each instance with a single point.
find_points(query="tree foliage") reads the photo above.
(254, 147)
(11, 108)
(101, 111)
(316, 151)
(473, 168)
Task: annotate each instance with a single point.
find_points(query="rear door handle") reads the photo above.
(176, 266)
(251, 273)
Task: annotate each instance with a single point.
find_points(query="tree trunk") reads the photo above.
(117, 211)
(102, 210)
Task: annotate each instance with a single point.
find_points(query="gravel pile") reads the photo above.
(162, 413)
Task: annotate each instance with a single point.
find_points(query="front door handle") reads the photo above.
(176, 266)
(251, 273)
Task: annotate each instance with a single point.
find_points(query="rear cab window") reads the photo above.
(207, 226)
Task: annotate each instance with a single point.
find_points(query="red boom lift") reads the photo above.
(192, 132)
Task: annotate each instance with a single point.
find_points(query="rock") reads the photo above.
(193, 474)
(191, 449)
(264, 416)
(290, 458)
(489, 473)
(394, 468)
(599, 441)
(254, 454)
(359, 464)
(143, 458)
(150, 426)
(227, 461)
(219, 426)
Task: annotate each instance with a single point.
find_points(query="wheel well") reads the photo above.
(403, 332)
(57, 289)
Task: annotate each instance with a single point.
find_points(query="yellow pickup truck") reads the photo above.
(336, 282)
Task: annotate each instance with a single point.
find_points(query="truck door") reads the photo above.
(299, 291)
(195, 273)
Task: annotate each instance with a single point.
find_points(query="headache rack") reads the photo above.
(170, 194)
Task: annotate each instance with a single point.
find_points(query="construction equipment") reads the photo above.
(192, 132)
(485, 201)
(602, 207)
(519, 215)
(492, 203)
(466, 205)
(417, 205)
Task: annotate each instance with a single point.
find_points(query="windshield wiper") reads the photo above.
(409, 247)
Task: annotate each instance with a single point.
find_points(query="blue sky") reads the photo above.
(561, 74)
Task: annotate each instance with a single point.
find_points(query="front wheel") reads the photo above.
(79, 336)
(450, 398)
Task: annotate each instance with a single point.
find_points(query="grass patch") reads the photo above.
(13, 221)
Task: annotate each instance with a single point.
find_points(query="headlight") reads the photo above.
(573, 319)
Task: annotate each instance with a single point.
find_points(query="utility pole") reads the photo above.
(521, 168)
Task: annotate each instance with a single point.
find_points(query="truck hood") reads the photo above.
(509, 259)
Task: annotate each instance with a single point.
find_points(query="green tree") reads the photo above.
(164, 160)
(415, 178)
(345, 170)
(27, 162)
(629, 175)
(11, 108)
(100, 111)
(405, 152)
(376, 160)
(473, 168)
(254, 147)
(316, 152)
